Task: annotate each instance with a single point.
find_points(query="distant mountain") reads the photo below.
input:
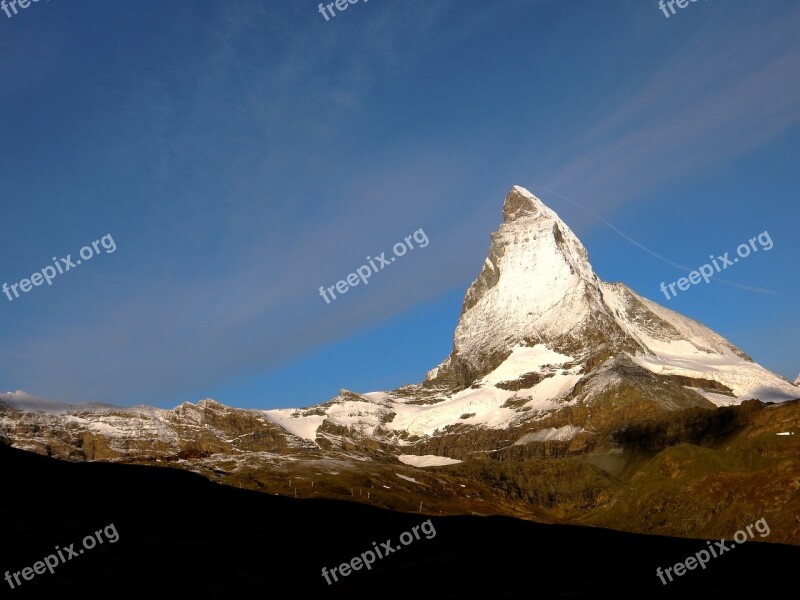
(24, 401)
(560, 394)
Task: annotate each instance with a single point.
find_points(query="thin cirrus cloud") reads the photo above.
(256, 303)
(290, 217)
(723, 92)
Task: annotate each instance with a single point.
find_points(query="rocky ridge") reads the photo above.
(559, 390)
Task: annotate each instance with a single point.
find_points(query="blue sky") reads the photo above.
(243, 153)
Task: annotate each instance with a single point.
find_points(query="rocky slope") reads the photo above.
(564, 398)
(213, 541)
(539, 338)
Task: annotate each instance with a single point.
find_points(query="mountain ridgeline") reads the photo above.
(565, 399)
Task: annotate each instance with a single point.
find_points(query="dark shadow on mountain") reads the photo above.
(182, 536)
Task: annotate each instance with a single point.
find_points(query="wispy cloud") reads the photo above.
(253, 303)
(718, 94)
(264, 195)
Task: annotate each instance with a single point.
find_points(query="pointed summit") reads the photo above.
(537, 289)
(543, 351)
(520, 204)
(536, 286)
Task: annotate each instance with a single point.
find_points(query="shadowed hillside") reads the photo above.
(185, 537)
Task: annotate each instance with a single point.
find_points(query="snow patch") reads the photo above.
(426, 460)
(524, 360)
(425, 420)
(561, 434)
(293, 421)
(545, 394)
(745, 378)
(676, 345)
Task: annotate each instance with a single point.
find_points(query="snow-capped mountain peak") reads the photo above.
(521, 204)
(543, 350)
(536, 286)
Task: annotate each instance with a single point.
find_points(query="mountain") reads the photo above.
(564, 399)
(24, 401)
(539, 334)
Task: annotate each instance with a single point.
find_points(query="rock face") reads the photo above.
(536, 287)
(540, 339)
(549, 363)
(110, 433)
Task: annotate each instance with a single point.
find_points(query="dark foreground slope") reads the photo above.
(181, 536)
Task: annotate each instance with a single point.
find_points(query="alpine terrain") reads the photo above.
(565, 399)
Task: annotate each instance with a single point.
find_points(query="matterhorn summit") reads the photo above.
(536, 287)
(537, 291)
(544, 351)
(541, 338)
